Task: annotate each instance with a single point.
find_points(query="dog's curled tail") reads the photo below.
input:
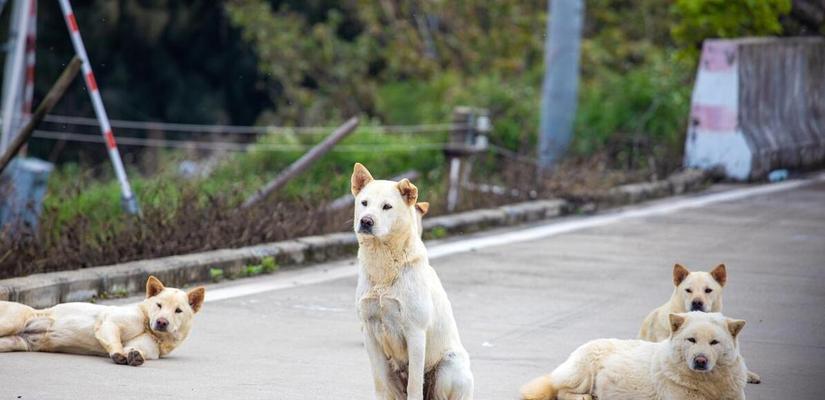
(540, 388)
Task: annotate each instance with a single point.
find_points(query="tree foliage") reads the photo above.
(345, 54)
(697, 20)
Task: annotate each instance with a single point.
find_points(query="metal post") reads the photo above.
(13, 72)
(461, 140)
(52, 97)
(561, 79)
(130, 204)
(27, 95)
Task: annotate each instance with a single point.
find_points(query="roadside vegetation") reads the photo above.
(303, 63)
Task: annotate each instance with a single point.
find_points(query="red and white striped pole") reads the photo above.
(31, 38)
(12, 84)
(127, 196)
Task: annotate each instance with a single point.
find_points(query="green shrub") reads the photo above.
(216, 274)
(269, 265)
(645, 107)
(697, 20)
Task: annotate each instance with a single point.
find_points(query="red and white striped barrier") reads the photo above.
(714, 137)
(757, 106)
(128, 197)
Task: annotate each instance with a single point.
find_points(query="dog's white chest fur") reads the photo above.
(383, 318)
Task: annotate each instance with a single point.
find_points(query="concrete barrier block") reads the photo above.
(736, 127)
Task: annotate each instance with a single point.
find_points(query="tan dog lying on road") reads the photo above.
(699, 361)
(695, 291)
(409, 330)
(128, 334)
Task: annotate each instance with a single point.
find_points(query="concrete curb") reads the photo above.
(45, 290)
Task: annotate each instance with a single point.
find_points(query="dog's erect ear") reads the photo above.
(676, 322)
(679, 274)
(422, 207)
(408, 191)
(153, 287)
(196, 297)
(735, 326)
(720, 274)
(360, 178)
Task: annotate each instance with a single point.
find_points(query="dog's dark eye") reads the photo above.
(387, 206)
(713, 342)
(364, 203)
(159, 306)
(178, 310)
(708, 290)
(689, 291)
(692, 340)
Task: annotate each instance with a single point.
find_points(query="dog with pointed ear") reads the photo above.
(693, 291)
(382, 208)
(195, 296)
(393, 259)
(128, 334)
(706, 340)
(421, 209)
(699, 360)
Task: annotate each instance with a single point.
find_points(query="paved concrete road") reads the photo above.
(521, 309)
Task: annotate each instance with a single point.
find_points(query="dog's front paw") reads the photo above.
(119, 358)
(135, 358)
(753, 378)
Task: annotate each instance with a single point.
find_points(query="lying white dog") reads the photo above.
(699, 361)
(129, 334)
(409, 330)
(694, 291)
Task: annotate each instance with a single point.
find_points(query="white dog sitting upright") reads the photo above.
(409, 331)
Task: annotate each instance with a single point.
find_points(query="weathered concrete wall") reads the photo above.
(758, 105)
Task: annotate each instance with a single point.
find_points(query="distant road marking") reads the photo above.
(338, 270)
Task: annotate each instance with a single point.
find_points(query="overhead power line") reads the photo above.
(248, 130)
(230, 146)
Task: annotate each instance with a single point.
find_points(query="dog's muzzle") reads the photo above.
(697, 306)
(365, 225)
(700, 363)
(161, 325)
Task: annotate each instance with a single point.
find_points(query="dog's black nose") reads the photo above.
(161, 324)
(700, 363)
(366, 224)
(697, 306)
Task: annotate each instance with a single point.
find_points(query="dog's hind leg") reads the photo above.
(453, 380)
(13, 317)
(13, 343)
